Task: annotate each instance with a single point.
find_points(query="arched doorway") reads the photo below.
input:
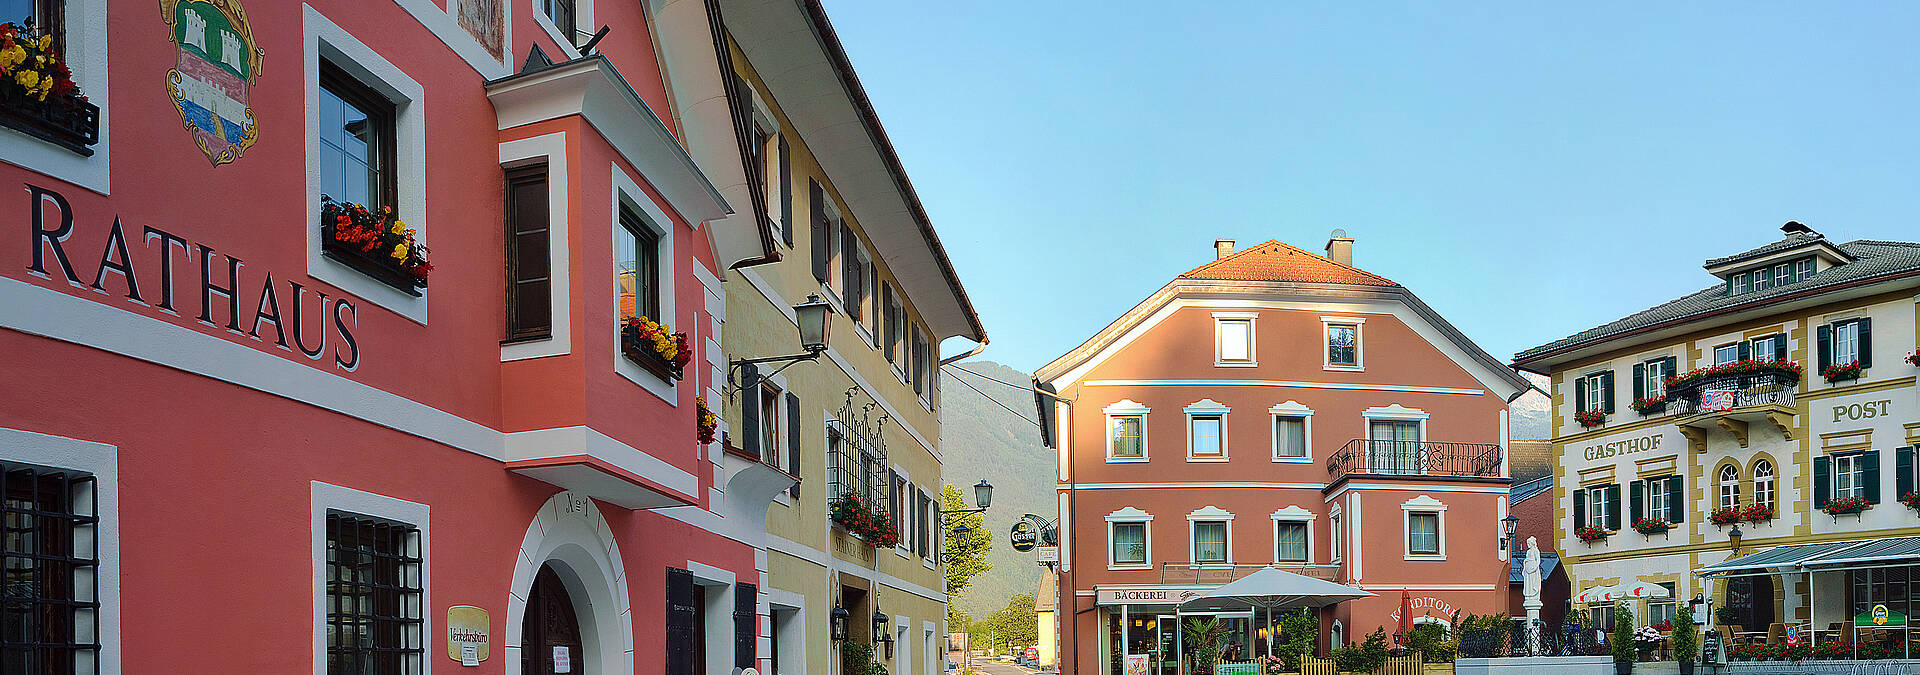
(549, 631)
(569, 546)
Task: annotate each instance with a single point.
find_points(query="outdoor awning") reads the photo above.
(1275, 588)
(1791, 556)
(1870, 552)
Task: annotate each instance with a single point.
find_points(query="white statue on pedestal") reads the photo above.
(1530, 592)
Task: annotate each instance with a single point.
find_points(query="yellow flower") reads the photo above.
(12, 56)
(46, 42)
(28, 78)
(398, 227)
(400, 252)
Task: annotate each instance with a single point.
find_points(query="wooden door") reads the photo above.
(550, 632)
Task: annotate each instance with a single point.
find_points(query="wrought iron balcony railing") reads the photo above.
(1732, 392)
(1414, 458)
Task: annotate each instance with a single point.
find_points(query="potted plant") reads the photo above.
(1652, 526)
(655, 346)
(37, 94)
(1589, 419)
(1625, 647)
(1757, 513)
(1590, 533)
(1203, 638)
(1686, 640)
(1912, 500)
(1914, 358)
(1841, 371)
(1846, 506)
(705, 421)
(375, 243)
(871, 525)
(1724, 516)
(1650, 405)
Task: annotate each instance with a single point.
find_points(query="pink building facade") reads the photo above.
(234, 418)
(1274, 407)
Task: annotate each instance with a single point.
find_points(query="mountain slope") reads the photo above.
(981, 440)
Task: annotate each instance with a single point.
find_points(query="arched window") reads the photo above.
(1763, 483)
(1729, 487)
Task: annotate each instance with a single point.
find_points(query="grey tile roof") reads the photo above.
(1872, 259)
(1792, 240)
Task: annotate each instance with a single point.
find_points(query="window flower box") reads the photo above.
(655, 347)
(1914, 358)
(1590, 533)
(375, 243)
(37, 93)
(1652, 526)
(1725, 515)
(1687, 385)
(862, 520)
(1845, 506)
(705, 421)
(1650, 405)
(1842, 372)
(1912, 500)
(1589, 419)
(1756, 513)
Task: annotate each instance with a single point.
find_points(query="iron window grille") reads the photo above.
(49, 613)
(857, 452)
(374, 614)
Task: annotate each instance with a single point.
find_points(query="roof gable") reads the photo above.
(1275, 261)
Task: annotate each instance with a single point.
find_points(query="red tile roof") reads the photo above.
(1274, 261)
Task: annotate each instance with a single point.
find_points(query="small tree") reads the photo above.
(1203, 638)
(1686, 640)
(1624, 648)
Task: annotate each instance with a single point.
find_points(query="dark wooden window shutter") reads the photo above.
(1822, 481)
(1903, 471)
(1676, 491)
(1866, 342)
(1823, 339)
(793, 441)
(1580, 394)
(750, 411)
(1870, 474)
(850, 273)
(1780, 347)
(529, 298)
(746, 624)
(822, 234)
(786, 191)
(890, 322)
(1579, 508)
(681, 615)
(1637, 500)
(1673, 362)
(1606, 392)
(1639, 380)
(1613, 506)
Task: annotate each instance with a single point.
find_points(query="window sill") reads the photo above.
(1126, 460)
(1130, 568)
(1424, 557)
(1236, 364)
(1349, 369)
(1293, 460)
(75, 130)
(903, 552)
(1206, 460)
(928, 563)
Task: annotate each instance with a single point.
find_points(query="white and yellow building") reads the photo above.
(860, 420)
(1763, 440)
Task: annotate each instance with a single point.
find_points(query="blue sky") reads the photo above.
(1529, 170)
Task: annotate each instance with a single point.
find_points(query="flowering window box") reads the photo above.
(862, 520)
(1724, 516)
(1652, 526)
(655, 347)
(1846, 506)
(705, 422)
(1914, 358)
(1687, 385)
(37, 94)
(1589, 419)
(374, 243)
(1912, 500)
(1650, 405)
(1756, 513)
(1842, 372)
(1590, 533)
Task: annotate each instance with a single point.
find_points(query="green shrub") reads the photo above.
(1686, 638)
(1363, 657)
(1624, 648)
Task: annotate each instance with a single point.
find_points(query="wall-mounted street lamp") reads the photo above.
(879, 626)
(982, 494)
(1508, 525)
(1733, 538)
(813, 319)
(839, 624)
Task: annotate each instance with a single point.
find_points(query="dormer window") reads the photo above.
(1770, 276)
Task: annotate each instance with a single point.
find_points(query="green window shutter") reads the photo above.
(1579, 394)
(1822, 481)
(1637, 502)
(1676, 500)
(822, 234)
(1579, 507)
(1902, 471)
(1866, 342)
(750, 409)
(786, 190)
(1639, 380)
(1606, 392)
(793, 441)
(1780, 347)
(1870, 472)
(1746, 350)
(1823, 343)
(1613, 506)
(1673, 362)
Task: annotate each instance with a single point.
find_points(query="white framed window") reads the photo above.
(1727, 353)
(1292, 432)
(637, 220)
(72, 557)
(1424, 522)
(1656, 377)
(1206, 431)
(1394, 435)
(1849, 476)
(1802, 269)
(1740, 283)
(1597, 505)
(1762, 279)
(1233, 343)
(1846, 342)
(1763, 489)
(1210, 529)
(81, 27)
(1597, 391)
(1763, 348)
(565, 21)
(1126, 431)
(771, 408)
(1129, 539)
(1334, 542)
(1293, 535)
(1782, 274)
(1658, 500)
(1729, 487)
(371, 558)
(1343, 349)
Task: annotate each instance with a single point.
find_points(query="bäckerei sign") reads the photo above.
(1148, 596)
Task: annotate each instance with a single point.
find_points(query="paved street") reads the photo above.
(990, 667)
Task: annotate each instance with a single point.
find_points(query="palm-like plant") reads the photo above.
(1203, 637)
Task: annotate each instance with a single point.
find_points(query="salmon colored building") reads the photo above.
(1274, 407)
(245, 432)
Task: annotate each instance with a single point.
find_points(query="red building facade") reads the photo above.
(235, 414)
(1274, 407)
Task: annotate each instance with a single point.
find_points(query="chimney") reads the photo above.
(1340, 248)
(1222, 248)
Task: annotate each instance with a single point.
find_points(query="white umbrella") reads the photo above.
(1635, 589)
(1273, 588)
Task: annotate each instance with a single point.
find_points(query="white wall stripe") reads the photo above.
(1283, 383)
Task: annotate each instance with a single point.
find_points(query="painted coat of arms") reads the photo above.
(215, 63)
